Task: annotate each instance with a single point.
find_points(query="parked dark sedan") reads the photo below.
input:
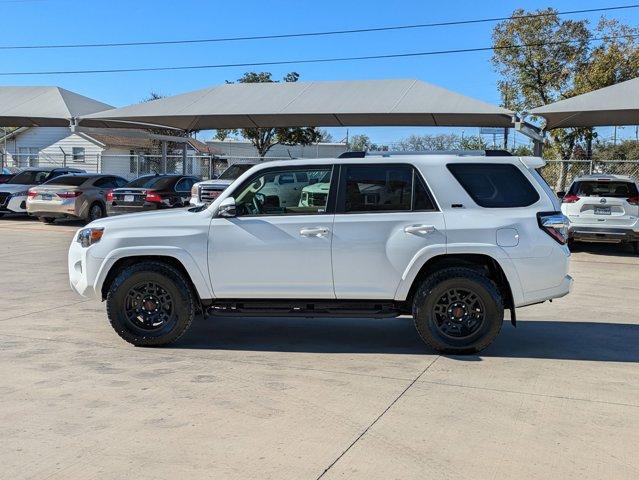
(151, 192)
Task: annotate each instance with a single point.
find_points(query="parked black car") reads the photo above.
(151, 192)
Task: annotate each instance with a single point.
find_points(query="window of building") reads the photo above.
(78, 154)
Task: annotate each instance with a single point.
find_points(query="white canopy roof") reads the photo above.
(336, 103)
(44, 106)
(614, 105)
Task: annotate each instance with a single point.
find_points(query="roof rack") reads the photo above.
(459, 153)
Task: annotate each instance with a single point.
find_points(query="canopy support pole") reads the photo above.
(536, 134)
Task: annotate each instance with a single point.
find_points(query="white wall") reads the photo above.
(53, 143)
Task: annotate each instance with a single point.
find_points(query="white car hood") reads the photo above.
(13, 188)
(216, 183)
(158, 218)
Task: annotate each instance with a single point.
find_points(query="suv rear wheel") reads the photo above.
(458, 310)
(47, 219)
(150, 304)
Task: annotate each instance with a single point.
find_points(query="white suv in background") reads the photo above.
(451, 240)
(603, 208)
(205, 192)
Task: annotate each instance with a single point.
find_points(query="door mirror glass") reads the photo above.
(227, 208)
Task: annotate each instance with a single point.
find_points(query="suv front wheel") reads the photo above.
(458, 310)
(150, 304)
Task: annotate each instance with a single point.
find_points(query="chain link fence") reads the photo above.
(560, 173)
(132, 166)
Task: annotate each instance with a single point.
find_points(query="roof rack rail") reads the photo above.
(459, 153)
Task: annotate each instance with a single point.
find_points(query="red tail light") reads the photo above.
(109, 196)
(633, 200)
(571, 199)
(71, 194)
(31, 193)
(153, 197)
(554, 224)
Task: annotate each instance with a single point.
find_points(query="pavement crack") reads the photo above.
(44, 310)
(378, 418)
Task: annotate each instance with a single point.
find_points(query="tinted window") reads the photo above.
(493, 185)
(152, 181)
(264, 196)
(599, 188)
(30, 177)
(234, 171)
(106, 182)
(70, 180)
(423, 200)
(184, 185)
(374, 188)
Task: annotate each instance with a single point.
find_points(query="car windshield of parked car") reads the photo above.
(30, 177)
(290, 192)
(70, 180)
(603, 188)
(154, 182)
(234, 171)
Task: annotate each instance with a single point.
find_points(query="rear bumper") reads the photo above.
(114, 210)
(538, 296)
(598, 234)
(65, 208)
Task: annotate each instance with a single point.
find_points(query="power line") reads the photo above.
(313, 34)
(312, 60)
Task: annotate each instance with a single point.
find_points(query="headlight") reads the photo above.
(89, 236)
(194, 189)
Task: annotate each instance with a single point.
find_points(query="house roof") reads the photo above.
(614, 105)
(44, 106)
(290, 104)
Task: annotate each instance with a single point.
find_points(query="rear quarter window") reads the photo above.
(493, 185)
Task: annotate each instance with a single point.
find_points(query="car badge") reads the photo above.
(603, 200)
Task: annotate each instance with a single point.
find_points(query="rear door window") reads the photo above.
(495, 185)
(603, 188)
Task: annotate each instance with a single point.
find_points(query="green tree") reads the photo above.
(540, 69)
(263, 139)
(360, 143)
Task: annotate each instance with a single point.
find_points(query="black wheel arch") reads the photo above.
(125, 262)
(483, 263)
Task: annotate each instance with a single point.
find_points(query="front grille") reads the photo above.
(4, 198)
(209, 193)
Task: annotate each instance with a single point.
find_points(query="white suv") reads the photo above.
(603, 208)
(450, 239)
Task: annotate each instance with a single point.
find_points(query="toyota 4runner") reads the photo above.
(451, 240)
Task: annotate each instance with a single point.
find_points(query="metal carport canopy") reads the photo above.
(334, 103)
(609, 106)
(44, 106)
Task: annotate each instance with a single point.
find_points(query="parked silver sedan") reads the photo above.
(72, 196)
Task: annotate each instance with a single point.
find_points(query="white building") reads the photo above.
(118, 151)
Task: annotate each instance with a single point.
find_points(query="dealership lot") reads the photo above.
(558, 397)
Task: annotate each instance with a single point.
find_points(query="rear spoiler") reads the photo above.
(532, 162)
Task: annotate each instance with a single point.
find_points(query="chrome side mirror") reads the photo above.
(227, 208)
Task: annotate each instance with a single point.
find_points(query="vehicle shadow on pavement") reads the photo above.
(605, 249)
(561, 340)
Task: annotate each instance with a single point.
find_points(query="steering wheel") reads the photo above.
(258, 202)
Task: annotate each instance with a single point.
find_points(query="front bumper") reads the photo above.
(607, 235)
(14, 204)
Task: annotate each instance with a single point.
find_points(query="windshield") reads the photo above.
(234, 171)
(70, 180)
(30, 177)
(154, 181)
(599, 188)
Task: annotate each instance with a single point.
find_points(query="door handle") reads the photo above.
(314, 232)
(419, 229)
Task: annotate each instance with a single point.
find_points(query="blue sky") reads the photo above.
(89, 21)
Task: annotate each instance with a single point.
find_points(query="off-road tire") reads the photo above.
(48, 220)
(168, 278)
(432, 289)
